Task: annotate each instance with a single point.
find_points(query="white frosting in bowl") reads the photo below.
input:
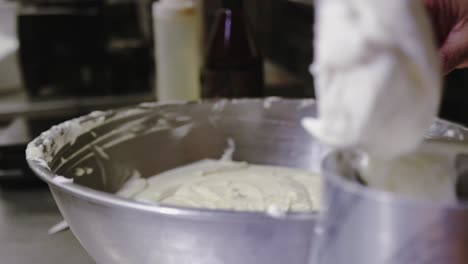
(229, 185)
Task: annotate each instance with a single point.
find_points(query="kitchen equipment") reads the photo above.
(155, 137)
(364, 225)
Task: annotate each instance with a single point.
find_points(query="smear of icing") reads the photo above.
(267, 103)
(182, 118)
(219, 105)
(79, 172)
(133, 186)
(43, 149)
(182, 131)
(161, 103)
(229, 151)
(275, 211)
(305, 103)
(100, 151)
(62, 180)
(59, 227)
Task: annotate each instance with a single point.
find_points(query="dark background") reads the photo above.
(105, 47)
(284, 29)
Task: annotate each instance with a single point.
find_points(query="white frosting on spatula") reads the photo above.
(377, 73)
(378, 83)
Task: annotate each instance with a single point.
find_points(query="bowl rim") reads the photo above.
(41, 168)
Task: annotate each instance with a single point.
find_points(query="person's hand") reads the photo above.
(450, 21)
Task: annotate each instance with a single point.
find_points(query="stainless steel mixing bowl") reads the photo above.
(367, 226)
(104, 149)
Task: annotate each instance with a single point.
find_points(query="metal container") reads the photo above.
(104, 149)
(367, 226)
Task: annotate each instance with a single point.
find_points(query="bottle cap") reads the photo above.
(176, 4)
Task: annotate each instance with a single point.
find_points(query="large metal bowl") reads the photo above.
(102, 150)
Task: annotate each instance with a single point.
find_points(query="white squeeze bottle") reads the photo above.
(177, 49)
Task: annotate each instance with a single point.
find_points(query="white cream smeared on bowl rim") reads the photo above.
(247, 188)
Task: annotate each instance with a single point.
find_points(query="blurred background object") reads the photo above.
(10, 79)
(83, 47)
(233, 65)
(177, 42)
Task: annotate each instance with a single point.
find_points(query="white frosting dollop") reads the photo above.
(229, 185)
(377, 73)
(378, 83)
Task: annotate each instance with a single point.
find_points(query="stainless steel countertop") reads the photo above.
(25, 217)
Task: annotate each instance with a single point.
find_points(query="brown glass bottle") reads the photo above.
(233, 65)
